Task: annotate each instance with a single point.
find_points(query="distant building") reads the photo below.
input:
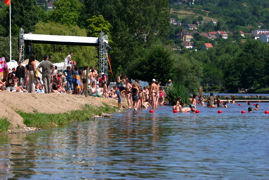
(187, 37)
(248, 26)
(207, 46)
(187, 44)
(264, 38)
(207, 21)
(218, 34)
(178, 23)
(183, 35)
(204, 34)
(172, 21)
(50, 5)
(191, 26)
(260, 31)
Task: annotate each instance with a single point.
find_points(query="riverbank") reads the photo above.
(23, 110)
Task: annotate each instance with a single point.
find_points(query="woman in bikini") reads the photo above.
(154, 89)
(128, 93)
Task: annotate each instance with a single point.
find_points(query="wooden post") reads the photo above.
(86, 88)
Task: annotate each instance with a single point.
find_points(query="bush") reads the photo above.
(4, 124)
(263, 90)
(177, 90)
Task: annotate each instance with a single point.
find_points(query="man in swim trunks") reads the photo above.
(84, 87)
(154, 89)
(93, 76)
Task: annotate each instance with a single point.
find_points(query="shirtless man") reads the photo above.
(119, 80)
(154, 90)
(84, 86)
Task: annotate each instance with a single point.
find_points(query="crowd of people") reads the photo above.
(72, 80)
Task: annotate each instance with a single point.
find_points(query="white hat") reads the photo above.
(102, 73)
(153, 80)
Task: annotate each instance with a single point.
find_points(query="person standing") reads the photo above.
(119, 80)
(31, 71)
(68, 75)
(20, 73)
(169, 84)
(68, 60)
(46, 66)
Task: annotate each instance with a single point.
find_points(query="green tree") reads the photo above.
(200, 18)
(66, 12)
(24, 14)
(187, 71)
(98, 24)
(83, 55)
(4, 48)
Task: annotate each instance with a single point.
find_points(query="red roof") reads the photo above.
(208, 45)
(186, 43)
(242, 32)
(213, 33)
(204, 34)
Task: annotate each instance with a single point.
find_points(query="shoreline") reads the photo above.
(28, 112)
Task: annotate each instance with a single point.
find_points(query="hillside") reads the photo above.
(182, 14)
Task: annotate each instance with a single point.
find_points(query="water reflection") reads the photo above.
(143, 145)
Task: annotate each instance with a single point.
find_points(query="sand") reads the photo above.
(45, 103)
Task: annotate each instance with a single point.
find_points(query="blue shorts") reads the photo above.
(119, 96)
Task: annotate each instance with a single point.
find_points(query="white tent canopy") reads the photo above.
(58, 39)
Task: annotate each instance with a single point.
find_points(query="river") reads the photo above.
(140, 145)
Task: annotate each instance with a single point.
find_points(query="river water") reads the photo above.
(137, 145)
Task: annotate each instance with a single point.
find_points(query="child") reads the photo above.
(250, 109)
(228, 100)
(105, 90)
(257, 107)
(141, 96)
(225, 105)
(249, 103)
(178, 106)
(193, 101)
(146, 104)
(201, 99)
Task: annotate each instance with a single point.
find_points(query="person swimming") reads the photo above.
(225, 105)
(211, 101)
(193, 101)
(249, 103)
(183, 108)
(250, 109)
(257, 107)
(178, 106)
(233, 100)
(227, 100)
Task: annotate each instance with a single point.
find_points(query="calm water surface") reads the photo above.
(140, 145)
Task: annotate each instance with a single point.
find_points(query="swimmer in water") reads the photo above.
(193, 101)
(249, 103)
(233, 100)
(225, 105)
(257, 107)
(218, 101)
(250, 109)
(228, 100)
(201, 99)
(183, 108)
(178, 106)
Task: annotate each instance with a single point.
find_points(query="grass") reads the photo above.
(181, 14)
(4, 125)
(263, 90)
(42, 120)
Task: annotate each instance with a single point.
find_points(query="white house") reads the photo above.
(264, 37)
(260, 31)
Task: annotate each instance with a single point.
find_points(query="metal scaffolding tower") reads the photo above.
(21, 44)
(103, 52)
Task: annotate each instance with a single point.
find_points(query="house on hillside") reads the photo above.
(207, 46)
(242, 34)
(172, 21)
(264, 38)
(187, 37)
(204, 34)
(207, 21)
(223, 34)
(50, 5)
(183, 33)
(178, 23)
(187, 44)
(260, 31)
(218, 34)
(191, 26)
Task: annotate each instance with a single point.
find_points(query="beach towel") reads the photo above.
(3, 66)
(76, 79)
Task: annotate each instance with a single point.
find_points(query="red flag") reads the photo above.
(7, 2)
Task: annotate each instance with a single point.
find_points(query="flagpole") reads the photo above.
(10, 48)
